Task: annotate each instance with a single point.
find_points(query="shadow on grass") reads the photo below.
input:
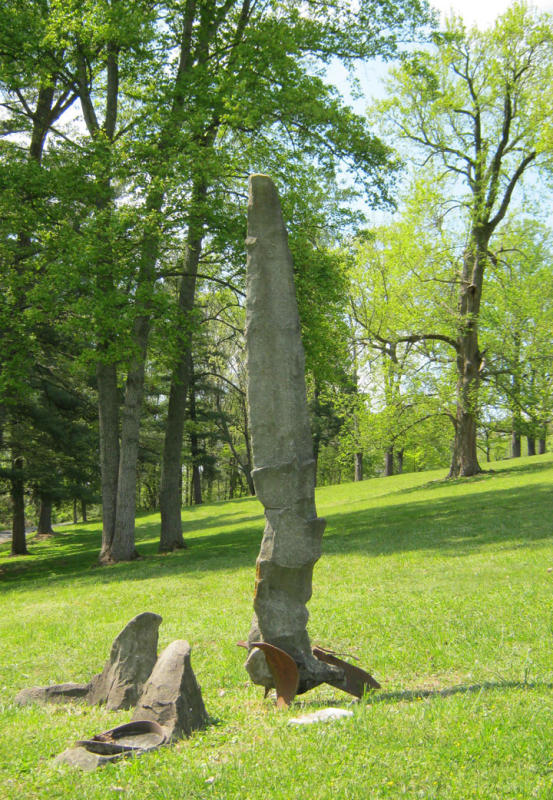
(455, 525)
(413, 695)
(507, 467)
(410, 695)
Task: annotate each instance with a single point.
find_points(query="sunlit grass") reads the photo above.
(441, 589)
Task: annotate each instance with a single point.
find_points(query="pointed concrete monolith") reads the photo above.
(284, 466)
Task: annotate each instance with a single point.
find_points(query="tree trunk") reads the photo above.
(358, 466)
(232, 479)
(542, 446)
(196, 484)
(123, 544)
(465, 459)
(248, 466)
(531, 445)
(515, 444)
(83, 510)
(75, 520)
(45, 517)
(108, 414)
(389, 462)
(399, 461)
(469, 360)
(170, 499)
(170, 491)
(19, 541)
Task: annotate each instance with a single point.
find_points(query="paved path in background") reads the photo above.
(6, 536)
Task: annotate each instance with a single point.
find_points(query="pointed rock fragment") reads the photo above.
(172, 696)
(131, 661)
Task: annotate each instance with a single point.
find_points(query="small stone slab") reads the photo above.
(172, 696)
(83, 759)
(323, 715)
(57, 693)
(132, 658)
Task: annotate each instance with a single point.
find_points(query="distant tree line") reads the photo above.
(128, 132)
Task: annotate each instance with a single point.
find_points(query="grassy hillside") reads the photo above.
(441, 589)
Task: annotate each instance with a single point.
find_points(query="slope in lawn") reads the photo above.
(441, 589)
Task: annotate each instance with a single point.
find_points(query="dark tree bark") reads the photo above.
(389, 462)
(245, 466)
(108, 414)
(358, 464)
(248, 467)
(75, 519)
(515, 444)
(45, 517)
(83, 510)
(171, 469)
(233, 479)
(399, 461)
(196, 481)
(17, 491)
(542, 446)
(123, 544)
(469, 360)
(170, 492)
(531, 445)
(196, 486)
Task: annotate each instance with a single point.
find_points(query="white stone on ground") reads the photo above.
(323, 715)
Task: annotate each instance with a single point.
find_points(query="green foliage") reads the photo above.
(516, 326)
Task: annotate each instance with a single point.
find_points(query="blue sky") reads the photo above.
(371, 75)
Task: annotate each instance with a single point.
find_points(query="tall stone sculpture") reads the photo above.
(284, 467)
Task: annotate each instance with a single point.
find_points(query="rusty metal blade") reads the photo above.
(335, 653)
(284, 671)
(357, 681)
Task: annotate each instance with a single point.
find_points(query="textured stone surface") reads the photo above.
(172, 696)
(132, 658)
(284, 467)
(83, 759)
(58, 693)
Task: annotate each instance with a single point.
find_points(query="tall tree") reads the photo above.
(258, 82)
(476, 105)
(35, 92)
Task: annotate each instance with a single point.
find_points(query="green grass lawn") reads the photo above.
(441, 589)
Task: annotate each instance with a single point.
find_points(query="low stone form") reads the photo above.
(83, 759)
(324, 715)
(132, 658)
(58, 693)
(131, 661)
(172, 696)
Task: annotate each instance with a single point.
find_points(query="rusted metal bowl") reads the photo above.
(133, 737)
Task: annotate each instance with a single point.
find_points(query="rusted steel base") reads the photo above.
(357, 681)
(285, 672)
